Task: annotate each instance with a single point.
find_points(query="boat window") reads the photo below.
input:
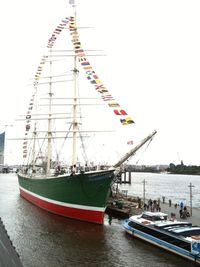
(154, 217)
(159, 218)
(131, 224)
(145, 216)
(160, 235)
(174, 225)
(192, 232)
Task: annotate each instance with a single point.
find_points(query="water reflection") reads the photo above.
(44, 239)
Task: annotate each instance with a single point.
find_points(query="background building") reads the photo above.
(2, 145)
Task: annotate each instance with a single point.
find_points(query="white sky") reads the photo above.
(152, 66)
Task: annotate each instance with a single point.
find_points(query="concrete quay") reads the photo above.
(194, 218)
(125, 206)
(8, 255)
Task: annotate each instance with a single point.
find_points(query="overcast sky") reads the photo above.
(152, 65)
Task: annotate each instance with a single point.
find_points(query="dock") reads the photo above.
(123, 206)
(124, 177)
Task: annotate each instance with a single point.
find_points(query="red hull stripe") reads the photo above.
(78, 212)
(62, 203)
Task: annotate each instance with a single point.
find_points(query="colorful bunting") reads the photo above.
(120, 112)
(91, 76)
(130, 142)
(127, 121)
(114, 104)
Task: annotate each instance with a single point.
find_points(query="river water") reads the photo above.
(44, 239)
(174, 187)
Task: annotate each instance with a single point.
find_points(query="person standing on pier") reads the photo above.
(181, 205)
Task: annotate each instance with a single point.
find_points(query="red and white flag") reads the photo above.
(130, 142)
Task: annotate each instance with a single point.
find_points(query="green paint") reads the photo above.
(90, 189)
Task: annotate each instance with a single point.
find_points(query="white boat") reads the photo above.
(179, 237)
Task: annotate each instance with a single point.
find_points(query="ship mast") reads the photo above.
(49, 133)
(34, 136)
(74, 122)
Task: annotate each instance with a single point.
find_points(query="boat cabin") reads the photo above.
(154, 216)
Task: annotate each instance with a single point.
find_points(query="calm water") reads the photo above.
(43, 239)
(174, 187)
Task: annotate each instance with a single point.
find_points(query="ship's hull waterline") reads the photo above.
(81, 196)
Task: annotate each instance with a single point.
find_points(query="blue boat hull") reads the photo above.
(160, 243)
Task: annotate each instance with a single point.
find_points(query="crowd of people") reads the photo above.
(152, 205)
(184, 213)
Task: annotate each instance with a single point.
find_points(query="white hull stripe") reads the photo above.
(68, 205)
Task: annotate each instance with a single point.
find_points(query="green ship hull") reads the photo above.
(80, 196)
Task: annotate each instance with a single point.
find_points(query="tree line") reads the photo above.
(171, 168)
(183, 169)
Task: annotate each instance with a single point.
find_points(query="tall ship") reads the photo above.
(57, 174)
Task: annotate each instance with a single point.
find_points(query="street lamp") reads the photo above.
(190, 186)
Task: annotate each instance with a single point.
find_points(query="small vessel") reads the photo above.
(57, 174)
(178, 237)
